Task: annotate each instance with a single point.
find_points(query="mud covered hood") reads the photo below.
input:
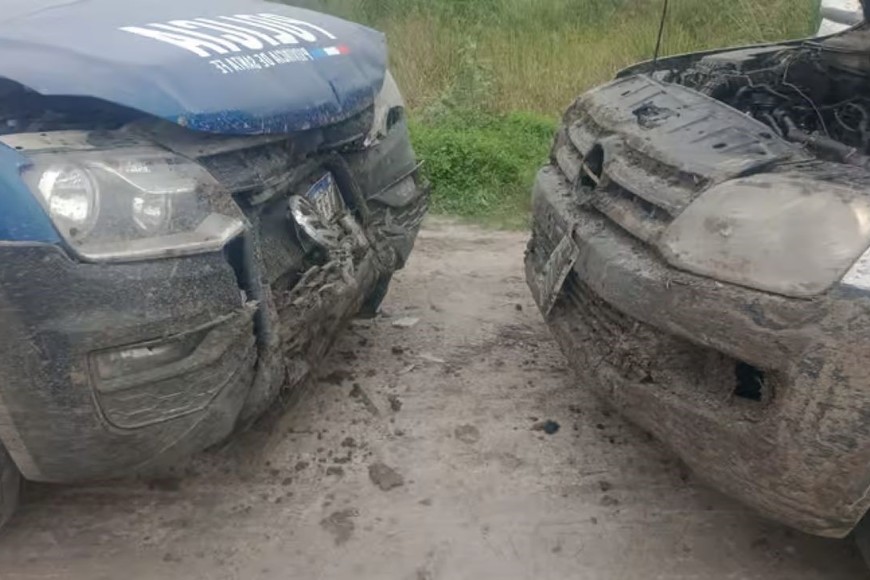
(221, 66)
(715, 191)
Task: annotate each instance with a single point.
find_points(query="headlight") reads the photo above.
(132, 204)
(782, 234)
(70, 196)
(389, 109)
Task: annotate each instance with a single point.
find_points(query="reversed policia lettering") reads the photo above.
(228, 35)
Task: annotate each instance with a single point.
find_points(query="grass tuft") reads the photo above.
(481, 166)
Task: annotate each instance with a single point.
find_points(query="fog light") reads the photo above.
(112, 364)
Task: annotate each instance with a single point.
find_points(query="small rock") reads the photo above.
(407, 322)
(349, 442)
(385, 477)
(519, 307)
(398, 350)
(467, 434)
(301, 466)
(548, 427)
(395, 403)
(605, 486)
(335, 470)
(609, 501)
(426, 502)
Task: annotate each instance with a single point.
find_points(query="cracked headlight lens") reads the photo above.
(132, 204)
(783, 234)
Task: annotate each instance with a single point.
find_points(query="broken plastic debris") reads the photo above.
(407, 322)
(548, 427)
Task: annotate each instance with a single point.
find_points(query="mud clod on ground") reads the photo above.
(340, 525)
(385, 477)
(467, 434)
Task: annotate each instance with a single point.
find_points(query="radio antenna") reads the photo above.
(659, 39)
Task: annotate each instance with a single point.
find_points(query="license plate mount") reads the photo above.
(326, 197)
(552, 278)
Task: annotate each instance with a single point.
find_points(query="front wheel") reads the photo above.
(10, 486)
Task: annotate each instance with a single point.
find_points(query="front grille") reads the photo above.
(638, 194)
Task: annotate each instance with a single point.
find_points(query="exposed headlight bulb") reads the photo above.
(71, 197)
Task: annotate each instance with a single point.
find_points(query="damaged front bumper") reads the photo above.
(764, 397)
(117, 369)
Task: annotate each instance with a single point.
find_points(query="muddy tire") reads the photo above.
(10, 486)
(374, 300)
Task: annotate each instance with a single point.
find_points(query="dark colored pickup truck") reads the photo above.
(194, 197)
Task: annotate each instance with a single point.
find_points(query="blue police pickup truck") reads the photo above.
(194, 197)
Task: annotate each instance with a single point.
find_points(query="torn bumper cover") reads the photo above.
(764, 396)
(122, 368)
(668, 349)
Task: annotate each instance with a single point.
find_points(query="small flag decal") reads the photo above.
(329, 51)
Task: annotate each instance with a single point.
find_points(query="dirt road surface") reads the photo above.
(423, 453)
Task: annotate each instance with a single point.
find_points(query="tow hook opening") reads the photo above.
(751, 383)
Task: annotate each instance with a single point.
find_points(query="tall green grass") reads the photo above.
(540, 53)
(467, 66)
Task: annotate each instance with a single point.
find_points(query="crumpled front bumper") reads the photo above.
(62, 422)
(221, 334)
(670, 349)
